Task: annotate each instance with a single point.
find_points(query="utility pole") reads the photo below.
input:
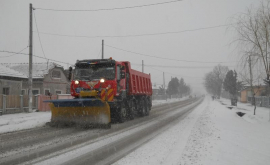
(30, 80)
(102, 54)
(142, 67)
(251, 85)
(250, 71)
(164, 85)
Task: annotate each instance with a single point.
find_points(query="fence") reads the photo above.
(15, 103)
(19, 103)
(262, 101)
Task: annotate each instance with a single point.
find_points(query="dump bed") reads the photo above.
(140, 83)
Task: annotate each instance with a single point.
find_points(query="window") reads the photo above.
(23, 92)
(35, 91)
(58, 92)
(6, 91)
(118, 73)
(56, 74)
(46, 91)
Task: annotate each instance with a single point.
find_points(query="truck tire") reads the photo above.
(132, 109)
(142, 108)
(147, 108)
(121, 113)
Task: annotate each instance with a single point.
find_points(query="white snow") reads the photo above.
(39, 69)
(159, 102)
(21, 121)
(211, 134)
(5, 71)
(72, 153)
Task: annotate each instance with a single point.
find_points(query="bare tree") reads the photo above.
(213, 80)
(252, 77)
(253, 36)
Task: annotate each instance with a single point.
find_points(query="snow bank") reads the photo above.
(262, 113)
(212, 134)
(21, 121)
(159, 102)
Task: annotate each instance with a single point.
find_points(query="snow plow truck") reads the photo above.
(104, 90)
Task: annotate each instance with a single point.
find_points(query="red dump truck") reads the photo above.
(104, 89)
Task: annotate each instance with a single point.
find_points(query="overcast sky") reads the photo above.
(191, 19)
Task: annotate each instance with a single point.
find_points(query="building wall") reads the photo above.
(14, 86)
(55, 84)
(247, 93)
(49, 83)
(37, 84)
(243, 98)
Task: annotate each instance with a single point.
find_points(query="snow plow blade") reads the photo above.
(88, 112)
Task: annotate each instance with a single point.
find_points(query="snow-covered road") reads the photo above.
(22, 121)
(43, 142)
(211, 134)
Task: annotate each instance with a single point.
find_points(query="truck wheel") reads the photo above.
(142, 108)
(132, 110)
(107, 126)
(147, 109)
(122, 113)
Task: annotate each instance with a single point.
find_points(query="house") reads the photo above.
(47, 78)
(246, 92)
(10, 81)
(155, 89)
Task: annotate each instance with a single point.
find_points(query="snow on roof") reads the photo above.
(5, 71)
(39, 69)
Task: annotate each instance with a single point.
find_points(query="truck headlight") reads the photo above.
(76, 82)
(102, 80)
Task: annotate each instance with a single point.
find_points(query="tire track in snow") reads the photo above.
(202, 140)
(165, 148)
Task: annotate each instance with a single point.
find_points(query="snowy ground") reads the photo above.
(159, 102)
(211, 134)
(21, 121)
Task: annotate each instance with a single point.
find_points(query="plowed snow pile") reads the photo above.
(21, 121)
(210, 135)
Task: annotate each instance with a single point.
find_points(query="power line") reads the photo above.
(35, 56)
(14, 53)
(108, 9)
(164, 57)
(136, 35)
(39, 36)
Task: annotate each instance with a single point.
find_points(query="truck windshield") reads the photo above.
(94, 72)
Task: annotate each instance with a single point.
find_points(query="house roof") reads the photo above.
(5, 71)
(39, 69)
